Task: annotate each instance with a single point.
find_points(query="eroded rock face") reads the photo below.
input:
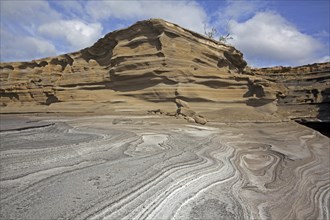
(304, 91)
(147, 66)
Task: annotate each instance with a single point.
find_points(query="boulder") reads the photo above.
(200, 119)
(186, 112)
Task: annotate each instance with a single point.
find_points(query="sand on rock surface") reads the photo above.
(152, 167)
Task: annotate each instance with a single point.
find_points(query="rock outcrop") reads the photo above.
(150, 65)
(304, 91)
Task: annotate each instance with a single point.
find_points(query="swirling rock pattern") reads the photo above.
(158, 168)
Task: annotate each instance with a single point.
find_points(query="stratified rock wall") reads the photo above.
(144, 67)
(151, 65)
(304, 90)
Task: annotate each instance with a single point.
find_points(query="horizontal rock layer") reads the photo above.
(149, 65)
(304, 90)
(144, 67)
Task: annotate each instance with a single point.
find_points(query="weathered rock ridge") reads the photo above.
(152, 66)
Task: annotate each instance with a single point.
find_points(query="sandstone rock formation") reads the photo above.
(144, 67)
(150, 65)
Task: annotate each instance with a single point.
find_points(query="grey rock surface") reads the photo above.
(153, 167)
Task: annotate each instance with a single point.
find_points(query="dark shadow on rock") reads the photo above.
(63, 61)
(101, 51)
(135, 83)
(7, 67)
(51, 98)
(11, 95)
(254, 102)
(324, 106)
(254, 90)
(236, 59)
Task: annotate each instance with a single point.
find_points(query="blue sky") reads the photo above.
(291, 32)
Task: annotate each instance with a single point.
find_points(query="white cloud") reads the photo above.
(237, 11)
(268, 38)
(43, 29)
(19, 20)
(72, 9)
(322, 33)
(75, 32)
(265, 38)
(27, 12)
(42, 47)
(188, 14)
(322, 59)
(14, 48)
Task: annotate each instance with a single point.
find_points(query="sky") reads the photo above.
(268, 33)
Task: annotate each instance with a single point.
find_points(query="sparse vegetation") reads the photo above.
(225, 38)
(211, 34)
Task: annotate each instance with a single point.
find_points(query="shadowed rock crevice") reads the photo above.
(234, 57)
(7, 67)
(11, 95)
(51, 98)
(254, 90)
(101, 51)
(63, 61)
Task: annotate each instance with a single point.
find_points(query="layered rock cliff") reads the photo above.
(157, 67)
(304, 91)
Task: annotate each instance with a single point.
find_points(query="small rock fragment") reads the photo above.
(181, 103)
(186, 111)
(190, 119)
(200, 119)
